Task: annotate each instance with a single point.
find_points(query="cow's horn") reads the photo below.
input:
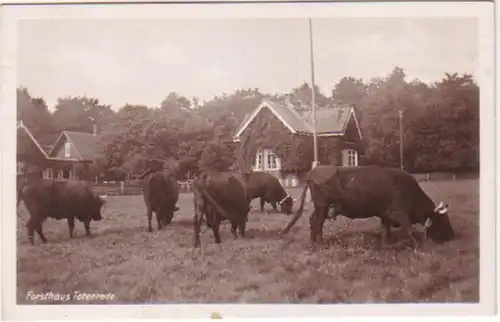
(439, 207)
(443, 210)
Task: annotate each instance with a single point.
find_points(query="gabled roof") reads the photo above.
(85, 144)
(330, 121)
(333, 120)
(21, 126)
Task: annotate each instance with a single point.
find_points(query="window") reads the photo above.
(350, 158)
(67, 149)
(271, 160)
(266, 160)
(258, 161)
(47, 173)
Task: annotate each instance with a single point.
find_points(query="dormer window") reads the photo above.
(67, 149)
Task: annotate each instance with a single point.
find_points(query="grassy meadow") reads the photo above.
(123, 258)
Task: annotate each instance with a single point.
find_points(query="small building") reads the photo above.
(61, 161)
(274, 125)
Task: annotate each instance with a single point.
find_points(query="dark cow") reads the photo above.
(161, 193)
(268, 188)
(393, 195)
(220, 196)
(59, 199)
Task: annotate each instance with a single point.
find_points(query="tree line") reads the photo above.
(440, 124)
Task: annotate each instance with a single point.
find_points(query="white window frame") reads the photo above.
(47, 174)
(67, 149)
(351, 157)
(263, 159)
(259, 161)
(268, 156)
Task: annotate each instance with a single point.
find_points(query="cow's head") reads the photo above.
(166, 212)
(286, 205)
(438, 225)
(96, 207)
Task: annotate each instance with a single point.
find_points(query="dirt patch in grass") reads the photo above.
(140, 267)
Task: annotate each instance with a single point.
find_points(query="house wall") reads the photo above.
(60, 151)
(61, 170)
(330, 148)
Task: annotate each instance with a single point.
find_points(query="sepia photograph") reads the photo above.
(215, 155)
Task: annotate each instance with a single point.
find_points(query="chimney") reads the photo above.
(94, 132)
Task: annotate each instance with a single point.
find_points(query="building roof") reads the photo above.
(329, 120)
(85, 144)
(21, 126)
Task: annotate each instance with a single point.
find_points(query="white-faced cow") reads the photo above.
(268, 188)
(393, 195)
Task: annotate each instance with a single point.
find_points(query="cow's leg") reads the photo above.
(316, 222)
(86, 223)
(242, 227)
(403, 219)
(149, 214)
(385, 232)
(159, 220)
(71, 225)
(197, 227)
(215, 229)
(262, 202)
(31, 230)
(39, 230)
(234, 227)
(273, 204)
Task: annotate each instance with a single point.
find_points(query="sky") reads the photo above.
(142, 61)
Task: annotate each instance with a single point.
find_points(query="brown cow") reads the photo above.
(161, 193)
(220, 196)
(59, 199)
(393, 195)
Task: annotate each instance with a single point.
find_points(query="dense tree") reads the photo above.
(440, 126)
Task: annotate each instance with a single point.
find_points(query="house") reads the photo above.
(61, 161)
(273, 125)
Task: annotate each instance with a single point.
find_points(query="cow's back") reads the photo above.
(263, 184)
(372, 189)
(228, 189)
(38, 197)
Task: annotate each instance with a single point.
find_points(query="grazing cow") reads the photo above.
(64, 199)
(268, 188)
(220, 196)
(161, 193)
(393, 195)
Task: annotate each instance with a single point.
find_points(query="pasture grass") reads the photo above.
(123, 258)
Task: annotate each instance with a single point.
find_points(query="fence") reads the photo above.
(120, 188)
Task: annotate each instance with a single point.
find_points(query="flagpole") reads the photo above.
(313, 87)
(401, 163)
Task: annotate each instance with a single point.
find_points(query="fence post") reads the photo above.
(428, 176)
(454, 176)
(122, 188)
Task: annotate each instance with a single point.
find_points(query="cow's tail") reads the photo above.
(146, 173)
(298, 213)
